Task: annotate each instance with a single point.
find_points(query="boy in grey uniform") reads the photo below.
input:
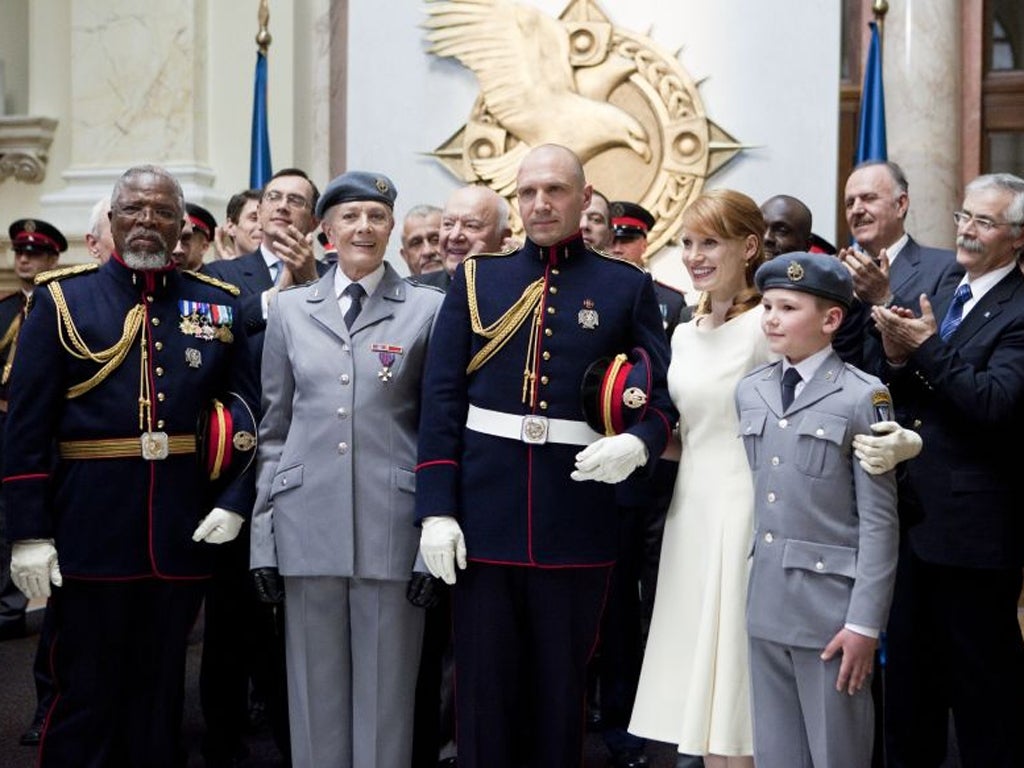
(824, 554)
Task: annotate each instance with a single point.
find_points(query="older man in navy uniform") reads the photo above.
(125, 358)
(504, 433)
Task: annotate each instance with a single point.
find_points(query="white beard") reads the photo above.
(146, 261)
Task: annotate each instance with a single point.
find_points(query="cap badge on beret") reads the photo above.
(29, 226)
(382, 185)
(795, 272)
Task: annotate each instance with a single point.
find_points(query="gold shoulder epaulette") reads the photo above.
(59, 274)
(231, 288)
(506, 252)
(613, 257)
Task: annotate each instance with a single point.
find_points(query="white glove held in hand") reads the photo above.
(218, 527)
(610, 459)
(34, 567)
(442, 546)
(894, 444)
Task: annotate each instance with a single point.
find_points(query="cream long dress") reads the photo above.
(694, 684)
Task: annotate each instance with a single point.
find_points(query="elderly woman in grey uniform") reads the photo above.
(333, 521)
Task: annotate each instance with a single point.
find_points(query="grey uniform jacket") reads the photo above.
(825, 531)
(337, 443)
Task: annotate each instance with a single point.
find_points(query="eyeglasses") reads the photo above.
(292, 200)
(984, 224)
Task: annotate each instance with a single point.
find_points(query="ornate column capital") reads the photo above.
(24, 142)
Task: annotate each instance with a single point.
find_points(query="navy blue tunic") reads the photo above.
(515, 502)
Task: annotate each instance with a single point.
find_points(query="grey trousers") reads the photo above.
(352, 650)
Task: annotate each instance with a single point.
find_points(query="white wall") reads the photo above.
(772, 74)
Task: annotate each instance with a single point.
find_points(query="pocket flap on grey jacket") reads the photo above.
(286, 479)
(820, 558)
(752, 421)
(824, 426)
(405, 479)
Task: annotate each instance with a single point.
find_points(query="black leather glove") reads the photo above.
(423, 590)
(269, 585)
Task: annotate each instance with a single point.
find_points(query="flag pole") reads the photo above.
(879, 8)
(263, 38)
(259, 154)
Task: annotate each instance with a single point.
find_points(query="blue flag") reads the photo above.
(259, 157)
(871, 133)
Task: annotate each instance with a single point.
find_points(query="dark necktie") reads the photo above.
(789, 381)
(356, 292)
(275, 271)
(955, 313)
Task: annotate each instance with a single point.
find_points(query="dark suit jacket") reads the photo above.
(960, 499)
(251, 274)
(671, 303)
(918, 269)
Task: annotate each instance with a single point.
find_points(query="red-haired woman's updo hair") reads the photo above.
(729, 215)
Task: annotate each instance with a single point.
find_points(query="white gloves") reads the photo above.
(218, 527)
(880, 454)
(610, 459)
(34, 567)
(442, 546)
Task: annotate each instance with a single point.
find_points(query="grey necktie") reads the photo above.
(356, 292)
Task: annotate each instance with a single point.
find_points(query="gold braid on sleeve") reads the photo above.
(75, 345)
(501, 330)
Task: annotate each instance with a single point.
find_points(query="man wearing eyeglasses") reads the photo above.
(958, 367)
(887, 264)
(234, 618)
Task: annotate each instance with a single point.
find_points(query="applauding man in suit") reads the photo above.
(954, 641)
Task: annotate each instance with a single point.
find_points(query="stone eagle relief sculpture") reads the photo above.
(627, 109)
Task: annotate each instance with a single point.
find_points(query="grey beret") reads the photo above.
(357, 185)
(816, 273)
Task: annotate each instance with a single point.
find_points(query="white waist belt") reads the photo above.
(530, 429)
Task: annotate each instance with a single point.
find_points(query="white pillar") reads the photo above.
(138, 94)
(921, 68)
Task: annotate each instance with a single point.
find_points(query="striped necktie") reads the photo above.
(955, 313)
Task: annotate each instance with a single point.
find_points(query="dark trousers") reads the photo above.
(523, 638)
(119, 670)
(954, 643)
(42, 667)
(621, 647)
(434, 723)
(241, 640)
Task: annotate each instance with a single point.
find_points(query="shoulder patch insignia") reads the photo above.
(231, 288)
(882, 403)
(59, 274)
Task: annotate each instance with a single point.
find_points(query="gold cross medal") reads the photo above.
(588, 317)
(386, 354)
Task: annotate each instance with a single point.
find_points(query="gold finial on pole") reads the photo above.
(879, 8)
(263, 37)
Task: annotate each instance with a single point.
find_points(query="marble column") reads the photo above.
(921, 68)
(138, 90)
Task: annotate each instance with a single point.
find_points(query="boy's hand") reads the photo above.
(858, 659)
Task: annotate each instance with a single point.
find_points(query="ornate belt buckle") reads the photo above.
(155, 446)
(535, 430)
